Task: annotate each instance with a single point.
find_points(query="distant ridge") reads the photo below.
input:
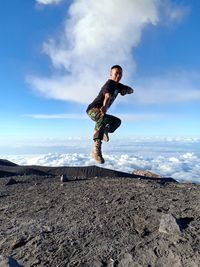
(5, 162)
(8, 168)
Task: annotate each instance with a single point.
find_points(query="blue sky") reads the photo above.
(56, 54)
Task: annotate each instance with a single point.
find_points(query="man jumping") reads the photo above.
(97, 110)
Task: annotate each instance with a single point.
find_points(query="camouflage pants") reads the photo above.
(106, 120)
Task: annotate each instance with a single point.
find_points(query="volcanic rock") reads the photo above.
(169, 225)
(99, 221)
(145, 173)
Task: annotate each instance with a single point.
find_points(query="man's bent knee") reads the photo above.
(116, 123)
(119, 122)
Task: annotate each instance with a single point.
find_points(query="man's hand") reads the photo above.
(103, 110)
(127, 91)
(106, 101)
(130, 90)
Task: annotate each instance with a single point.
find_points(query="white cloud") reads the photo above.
(95, 36)
(188, 155)
(48, 2)
(57, 116)
(74, 116)
(175, 13)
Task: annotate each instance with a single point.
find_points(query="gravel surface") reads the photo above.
(99, 222)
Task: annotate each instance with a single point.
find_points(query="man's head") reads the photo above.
(116, 73)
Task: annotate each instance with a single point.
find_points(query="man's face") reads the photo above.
(116, 74)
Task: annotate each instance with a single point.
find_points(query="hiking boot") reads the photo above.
(105, 135)
(96, 152)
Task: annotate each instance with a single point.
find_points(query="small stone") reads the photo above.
(63, 178)
(126, 261)
(47, 229)
(110, 263)
(97, 263)
(168, 224)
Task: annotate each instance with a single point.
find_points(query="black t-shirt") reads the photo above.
(111, 87)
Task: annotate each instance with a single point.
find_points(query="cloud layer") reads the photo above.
(95, 36)
(170, 157)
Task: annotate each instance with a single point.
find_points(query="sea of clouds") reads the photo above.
(170, 157)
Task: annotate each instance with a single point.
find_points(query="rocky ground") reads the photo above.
(96, 221)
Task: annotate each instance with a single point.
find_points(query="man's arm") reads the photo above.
(106, 102)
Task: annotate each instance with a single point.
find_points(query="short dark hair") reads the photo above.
(116, 67)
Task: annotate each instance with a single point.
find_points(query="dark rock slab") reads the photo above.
(5, 162)
(88, 172)
(76, 173)
(73, 173)
(20, 170)
(85, 172)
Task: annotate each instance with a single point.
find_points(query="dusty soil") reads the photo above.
(99, 222)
